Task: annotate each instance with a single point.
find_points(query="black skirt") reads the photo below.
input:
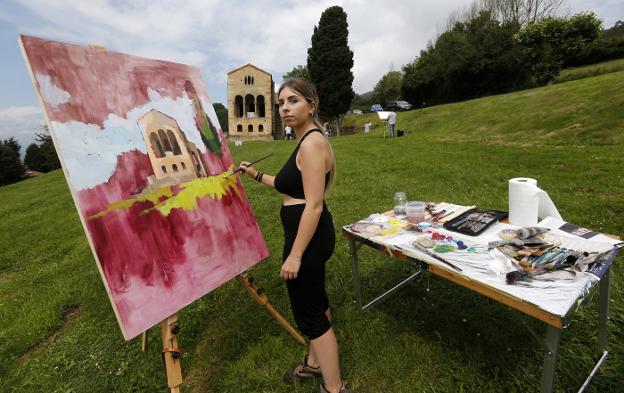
(307, 294)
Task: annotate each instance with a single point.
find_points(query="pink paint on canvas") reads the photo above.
(145, 161)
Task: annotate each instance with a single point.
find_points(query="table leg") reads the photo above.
(356, 273)
(553, 337)
(603, 311)
(603, 320)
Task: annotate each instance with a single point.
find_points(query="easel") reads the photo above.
(383, 115)
(171, 353)
(170, 329)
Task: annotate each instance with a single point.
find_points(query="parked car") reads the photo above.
(376, 108)
(357, 112)
(399, 106)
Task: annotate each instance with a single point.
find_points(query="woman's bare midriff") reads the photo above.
(289, 201)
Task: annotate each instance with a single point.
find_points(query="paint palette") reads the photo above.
(475, 221)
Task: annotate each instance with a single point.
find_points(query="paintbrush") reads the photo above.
(250, 164)
(433, 255)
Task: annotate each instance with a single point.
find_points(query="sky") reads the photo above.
(219, 36)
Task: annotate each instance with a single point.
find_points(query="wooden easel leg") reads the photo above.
(144, 341)
(171, 353)
(248, 283)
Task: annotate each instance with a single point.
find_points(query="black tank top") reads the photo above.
(288, 181)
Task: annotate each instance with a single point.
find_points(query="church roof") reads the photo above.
(249, 65)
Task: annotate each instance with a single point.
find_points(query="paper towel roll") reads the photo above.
(527, 202)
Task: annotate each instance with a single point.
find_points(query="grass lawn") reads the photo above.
(58, 332)
(606, 67)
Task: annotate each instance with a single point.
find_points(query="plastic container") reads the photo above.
(415, 211)
(400, 202)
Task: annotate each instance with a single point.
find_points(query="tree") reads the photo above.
(521, 12)
(606, 47)
(222, 115)
(13, 145)
(34, 158)
(388, 88)
(617, 30)
(299, 71)
(554, 43)
(329, 62)
(11, 168)
(51, 160)
(474, 58)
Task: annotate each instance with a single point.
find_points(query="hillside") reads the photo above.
(58, 331)
(583, 111)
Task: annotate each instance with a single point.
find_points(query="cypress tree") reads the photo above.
(329, 63)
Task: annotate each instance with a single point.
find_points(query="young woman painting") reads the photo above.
(309, 236)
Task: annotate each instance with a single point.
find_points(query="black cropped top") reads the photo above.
(289, 181)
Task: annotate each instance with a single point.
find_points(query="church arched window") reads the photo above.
(174, 143)
(238, 106)
(165, 141)
(156, 145)
(261, 111)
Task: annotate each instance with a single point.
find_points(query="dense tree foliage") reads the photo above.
(330, 61)
(42, 157)
(554, 43)
(13, 145)
(11, 167)
(222, 115)
(609, 46)
(472, 59)
(34, 158)
(388, 88)
(484, 56)
(299, 71)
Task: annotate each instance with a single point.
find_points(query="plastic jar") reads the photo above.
(415, 211)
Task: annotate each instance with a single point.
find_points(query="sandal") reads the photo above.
(302, 371)
(343, 388)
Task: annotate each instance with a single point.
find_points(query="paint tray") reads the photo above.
(474, 221)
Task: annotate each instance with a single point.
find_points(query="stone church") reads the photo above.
(252, 105)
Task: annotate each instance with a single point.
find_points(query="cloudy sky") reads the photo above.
(218, 36)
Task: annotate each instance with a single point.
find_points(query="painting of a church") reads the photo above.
(174, 159)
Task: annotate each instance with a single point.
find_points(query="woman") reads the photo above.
(309, 234)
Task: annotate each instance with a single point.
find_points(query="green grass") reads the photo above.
(432, 336)
(587, 71)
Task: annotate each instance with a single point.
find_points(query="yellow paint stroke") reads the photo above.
(214, 186)
(190, 192)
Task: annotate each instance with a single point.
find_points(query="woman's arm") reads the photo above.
(313, 154)
(267, 180)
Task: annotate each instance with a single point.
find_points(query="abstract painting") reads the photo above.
(147, 166)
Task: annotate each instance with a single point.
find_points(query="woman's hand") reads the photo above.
(290, 267)
(248, 169)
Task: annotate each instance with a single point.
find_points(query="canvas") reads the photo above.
(146, 163)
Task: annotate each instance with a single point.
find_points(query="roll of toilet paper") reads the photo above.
(527, 202)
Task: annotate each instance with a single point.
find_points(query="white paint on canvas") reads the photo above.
(87, 145)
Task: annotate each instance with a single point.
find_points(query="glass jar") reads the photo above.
(400, 200)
